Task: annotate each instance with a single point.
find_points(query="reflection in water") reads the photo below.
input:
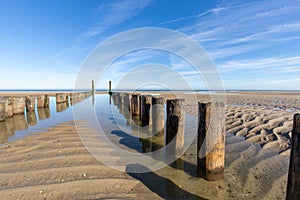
(44, 113)
(10, 126)
(155, 182)
(61, 106)
(3, 132)
(6, 129)
(146, 145)
(31, 118)
(20, 122)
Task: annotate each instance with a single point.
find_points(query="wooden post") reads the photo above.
(175, 126)
(41, 101)
(30, 103)
(8, 106)
(2, 112)
(18, 104)
(135, 104)
(109, 88)
(293, 185)
(146, 101)
(93, 87)
(61, 98)
(47, 101)
(211, 141)
(158, 116)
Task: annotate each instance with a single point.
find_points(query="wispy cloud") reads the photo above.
(210, 11)
(281, 64)
(112, 13)
(245, 27)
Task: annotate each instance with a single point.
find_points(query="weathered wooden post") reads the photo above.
(2, 112)
(293, 184)
(8, 107)
(121, 101)
(129, 96)
(41, 101)
(211, 141)
(47, 101)
(93, 87)
(146, 102)
(158, 123)
(175, 126)
(18, 104)
(109, 88)
(135, 104)
(61, 98)
(30, 103)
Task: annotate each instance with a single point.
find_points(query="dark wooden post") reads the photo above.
(158, 123)
(211, 141)
(175, 126)
(135, 104)
(47, 101)
(30, 103)
(93, 87)
(146, 101)
(293, 185)
(18, 104)
(109, 88)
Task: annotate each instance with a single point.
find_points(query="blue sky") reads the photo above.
(254, 44)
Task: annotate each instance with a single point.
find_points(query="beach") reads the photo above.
(56, 165)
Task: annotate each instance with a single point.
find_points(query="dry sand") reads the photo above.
(55, 164)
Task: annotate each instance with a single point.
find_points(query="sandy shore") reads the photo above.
(56, 165)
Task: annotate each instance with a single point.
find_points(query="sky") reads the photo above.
(255, 45)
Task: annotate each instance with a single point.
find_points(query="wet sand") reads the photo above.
(56, 165)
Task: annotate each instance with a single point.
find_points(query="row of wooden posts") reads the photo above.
(10, 106)
(210, 167)
(21, 121)
(150, 110)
